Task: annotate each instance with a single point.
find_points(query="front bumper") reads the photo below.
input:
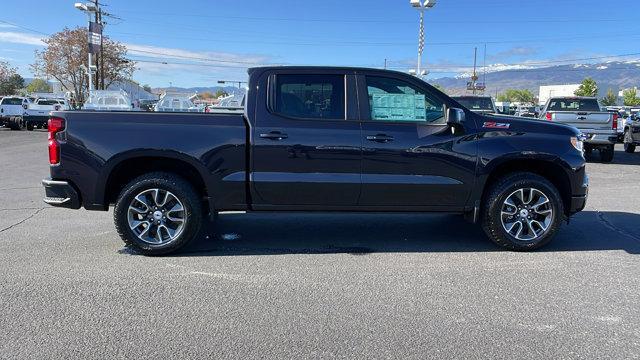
(60, 193)
(579, 202)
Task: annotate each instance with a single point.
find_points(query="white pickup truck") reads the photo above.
(37, 113)
(599, 127)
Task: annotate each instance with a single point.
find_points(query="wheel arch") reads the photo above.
(122, 169)
(551, 168)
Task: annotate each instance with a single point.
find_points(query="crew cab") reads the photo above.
(318, 139)
(599, 127)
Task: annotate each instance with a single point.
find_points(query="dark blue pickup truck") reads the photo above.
(318, 139)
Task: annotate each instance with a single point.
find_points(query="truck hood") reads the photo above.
(531, 125)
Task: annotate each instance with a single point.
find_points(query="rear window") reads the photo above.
(48, 102)
(475, 103)
(11, 101)
(574, 105)
(310, 96)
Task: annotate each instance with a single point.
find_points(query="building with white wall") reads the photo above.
(550, 91)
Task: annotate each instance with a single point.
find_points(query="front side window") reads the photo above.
(310, 96)
(395, 100)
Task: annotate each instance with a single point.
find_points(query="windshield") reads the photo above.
(11, 101)
(475, 103)
(574, 105)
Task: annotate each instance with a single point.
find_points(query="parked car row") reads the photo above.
(17, 112)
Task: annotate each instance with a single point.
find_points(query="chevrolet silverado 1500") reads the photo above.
(318, 139)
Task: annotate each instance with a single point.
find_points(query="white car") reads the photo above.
(12, 110)
(109, 100)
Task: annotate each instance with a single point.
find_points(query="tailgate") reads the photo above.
(584, 120)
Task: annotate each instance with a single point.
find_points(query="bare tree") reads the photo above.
(64, 60)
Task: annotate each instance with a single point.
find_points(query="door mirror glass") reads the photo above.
(455, 116)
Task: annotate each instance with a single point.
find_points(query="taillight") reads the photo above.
(548, 116)
(615, 122)
(55, 126)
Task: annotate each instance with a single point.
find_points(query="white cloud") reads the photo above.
(204, 57)
(20, 38)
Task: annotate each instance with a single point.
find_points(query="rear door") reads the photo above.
(307, 143)
(411, 158)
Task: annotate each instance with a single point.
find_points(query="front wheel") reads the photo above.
(522, 211)
(158, 213)
(629, 146)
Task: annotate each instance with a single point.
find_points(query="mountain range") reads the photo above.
(615, 75)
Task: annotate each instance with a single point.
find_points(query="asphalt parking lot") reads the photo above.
(314, 285)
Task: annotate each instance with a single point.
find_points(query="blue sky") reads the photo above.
(195, 43)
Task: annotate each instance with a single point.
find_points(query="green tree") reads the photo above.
(39, 85)
(587, 88)
(517, 95)
(630, 97)
(10, 81)
(610, 99)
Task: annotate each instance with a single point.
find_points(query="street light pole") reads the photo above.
(421, 6)
(88, 8)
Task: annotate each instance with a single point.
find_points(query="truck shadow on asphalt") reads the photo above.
(362, 234)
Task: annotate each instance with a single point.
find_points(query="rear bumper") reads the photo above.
(40, 120)
(600, 137)
(60, 193)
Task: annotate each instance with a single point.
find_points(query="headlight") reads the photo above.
(578, 143)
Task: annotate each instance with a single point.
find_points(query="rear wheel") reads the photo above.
(16, 123)
(629, 146)
(158, 213)
(522, 211)
(606, 154)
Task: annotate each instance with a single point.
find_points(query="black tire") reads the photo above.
(606, 155)
(588, 150)
(182, 189)
(629, 146)
(498, 194)
(29, 126)
(15, 123)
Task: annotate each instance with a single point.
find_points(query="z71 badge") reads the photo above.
(496, 125)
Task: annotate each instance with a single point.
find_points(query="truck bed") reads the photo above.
(97, 143)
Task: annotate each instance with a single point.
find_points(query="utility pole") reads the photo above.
(474, 77)
(385, 64)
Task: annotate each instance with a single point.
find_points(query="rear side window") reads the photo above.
(574, 105)
(395, 100)
(11, 101)
(310, 96)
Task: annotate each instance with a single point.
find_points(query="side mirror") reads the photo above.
(455, 116)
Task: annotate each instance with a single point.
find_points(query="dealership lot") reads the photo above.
(316, 285)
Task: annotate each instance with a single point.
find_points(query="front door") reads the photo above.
(306, 151)
(411, 158)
